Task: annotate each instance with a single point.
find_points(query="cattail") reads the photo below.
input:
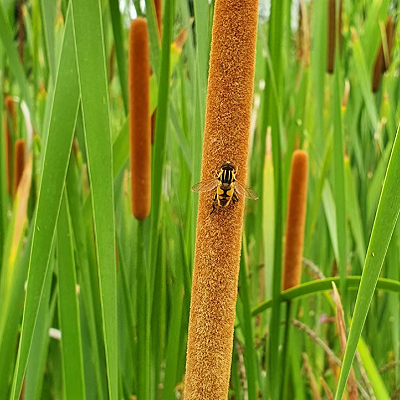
(332, 33)
(19, 162)
(390, 31)
(218, 236)
(296, 217)
(300, 34)
(10, 126)
(158, 7)
(382, 63)
(139, 107)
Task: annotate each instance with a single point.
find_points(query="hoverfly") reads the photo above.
(227, 187)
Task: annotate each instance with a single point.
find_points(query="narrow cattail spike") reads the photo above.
(390, 31)
(303, 35)
(153, 125)
(378, 68)
(139, 107)
(383, 59)
(19, 162)
(300, 34)
(10, 127)
(158, 7)
(332, 33)
(218, 236)
(296, 217)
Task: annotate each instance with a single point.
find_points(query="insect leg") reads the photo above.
(235, 199)
(213, 205)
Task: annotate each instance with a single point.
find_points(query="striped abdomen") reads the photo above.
(224, 194)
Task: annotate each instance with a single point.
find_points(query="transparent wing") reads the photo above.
(205, 186)
(245, 191)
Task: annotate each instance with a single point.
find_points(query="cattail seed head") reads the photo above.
(296, 217)
(19, 162)
(218, 236)
(139, 107)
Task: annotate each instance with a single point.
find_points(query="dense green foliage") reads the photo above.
(119, 290)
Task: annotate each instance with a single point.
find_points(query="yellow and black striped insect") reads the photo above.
(227, 187)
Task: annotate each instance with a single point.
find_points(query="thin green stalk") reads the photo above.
(142, 319)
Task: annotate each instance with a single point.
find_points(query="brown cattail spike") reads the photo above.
(218, 236)
(139, 107)
(390, 31)
(332, 33)
(10, 127)
(296, 217)
(158, 7)
(19, 162)
(382, 60)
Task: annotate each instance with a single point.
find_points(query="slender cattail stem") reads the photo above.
(19, 162)
(332, 33)
(139, 107)
(296, 217)
(218, 236)
(10, 127)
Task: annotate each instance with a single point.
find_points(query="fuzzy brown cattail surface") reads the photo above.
(295, 221)
(382, 60)
(332, 33)
(19, 162)
(139, 124)
(218, 236)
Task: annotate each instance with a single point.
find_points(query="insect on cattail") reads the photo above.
(332, 33)
(139, 107)
(382, 60)
(296, 217)
(19, 162)
(218, 236)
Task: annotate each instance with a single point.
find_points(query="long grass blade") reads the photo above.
(385, 222)
(87, 22)
(74, 386)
